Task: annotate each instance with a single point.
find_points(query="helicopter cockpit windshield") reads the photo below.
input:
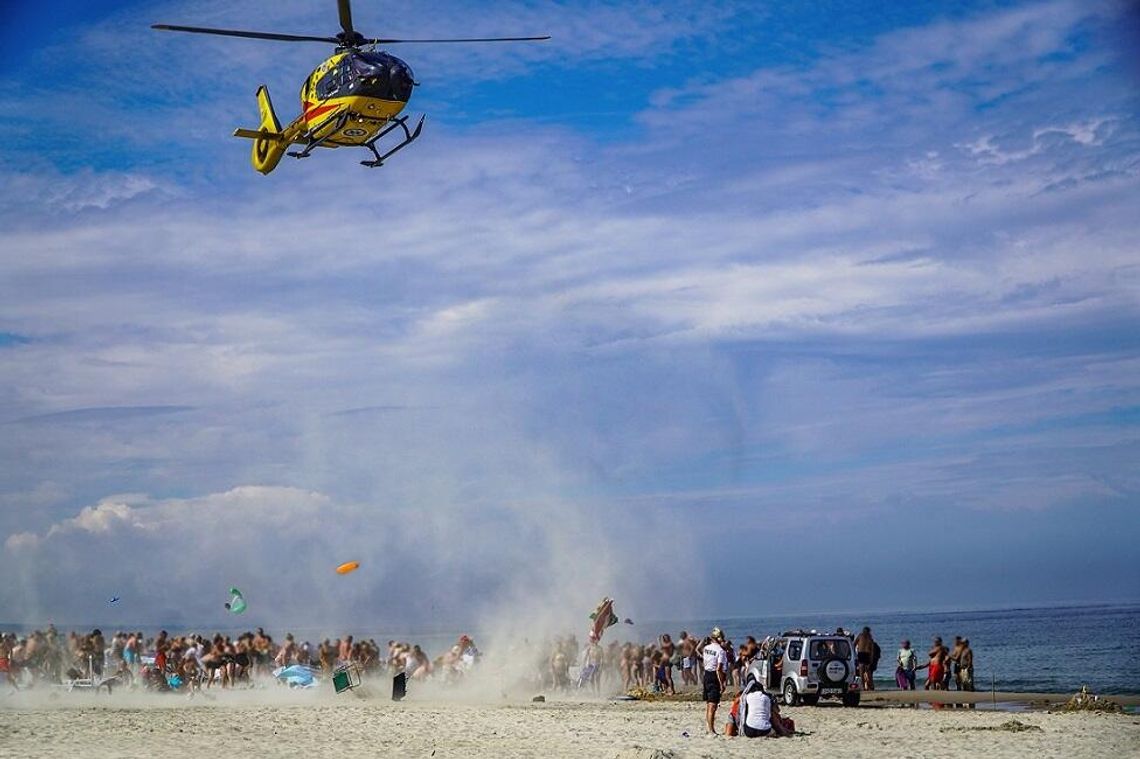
(379, 75)
(361, 74)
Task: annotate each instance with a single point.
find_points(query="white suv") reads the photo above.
(806, 666)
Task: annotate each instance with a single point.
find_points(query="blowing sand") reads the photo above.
(280, 724)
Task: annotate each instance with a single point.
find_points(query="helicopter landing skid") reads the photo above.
(409, 137)
(340, 122)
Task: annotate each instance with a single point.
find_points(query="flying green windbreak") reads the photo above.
(236, 604)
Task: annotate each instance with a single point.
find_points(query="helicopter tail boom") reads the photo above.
(269, 142)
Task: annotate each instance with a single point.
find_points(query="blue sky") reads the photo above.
(718, 310)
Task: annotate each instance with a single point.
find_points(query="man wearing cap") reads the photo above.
(715, 666)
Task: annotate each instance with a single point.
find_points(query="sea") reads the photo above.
(1030, 650)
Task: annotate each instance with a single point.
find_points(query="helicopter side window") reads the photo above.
(347, 74)
(329, 85)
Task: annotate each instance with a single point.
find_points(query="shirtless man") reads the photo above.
(593, 658)
(864, 653)
(216, 662)
(668, 650)
(966, 667)
(344, 654)
(954, 666)
(936, 667)
(288, 651)
(131, 653)
(688, 659)
(625, 666)
(261, 646)
(326, 654)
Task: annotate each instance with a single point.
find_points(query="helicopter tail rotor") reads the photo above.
(269, 142)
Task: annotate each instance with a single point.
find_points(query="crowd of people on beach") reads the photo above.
(632, 665)
(194, 662)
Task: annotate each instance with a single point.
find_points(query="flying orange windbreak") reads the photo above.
(348, 566)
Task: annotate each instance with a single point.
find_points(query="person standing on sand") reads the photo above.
(966, 667)
(131, 653)
(669, 649)
(688, 659)
(715, 665)
(954, 667)
(864, 655)
(936, 667)
(907, 664)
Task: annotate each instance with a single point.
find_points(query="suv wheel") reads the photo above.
(791, 695)
(834, 671)
(851, 699)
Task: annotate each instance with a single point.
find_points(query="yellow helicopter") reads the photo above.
(353, 99)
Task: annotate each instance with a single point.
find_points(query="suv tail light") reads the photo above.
(803, 668)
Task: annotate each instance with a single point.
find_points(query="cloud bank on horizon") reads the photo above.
(684, 306)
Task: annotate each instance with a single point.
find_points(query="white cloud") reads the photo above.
(547, 316)
(419, 565)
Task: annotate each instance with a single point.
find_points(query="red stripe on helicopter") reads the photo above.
(312, 110)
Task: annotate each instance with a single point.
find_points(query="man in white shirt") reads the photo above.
(715, 665)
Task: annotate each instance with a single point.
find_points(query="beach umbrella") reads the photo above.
(603, 617)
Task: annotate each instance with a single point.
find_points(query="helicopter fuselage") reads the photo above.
(350, 97)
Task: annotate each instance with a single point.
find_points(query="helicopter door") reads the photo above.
(329, 85)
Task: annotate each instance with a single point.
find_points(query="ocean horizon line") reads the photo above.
(727, 618)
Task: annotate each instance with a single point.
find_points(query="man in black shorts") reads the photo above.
(864, 654)
(715, 663)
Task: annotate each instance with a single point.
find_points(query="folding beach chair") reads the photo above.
(346, 677)
(76, 679)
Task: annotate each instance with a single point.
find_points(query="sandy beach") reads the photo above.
(274, 723)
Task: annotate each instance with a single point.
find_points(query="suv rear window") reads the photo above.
(823, 649)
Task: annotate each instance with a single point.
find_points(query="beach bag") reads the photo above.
(789, 724)
(730, 728)
(901, 679)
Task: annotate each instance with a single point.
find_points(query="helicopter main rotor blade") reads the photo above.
(247, 35)
(464, 39)
(345, 10)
